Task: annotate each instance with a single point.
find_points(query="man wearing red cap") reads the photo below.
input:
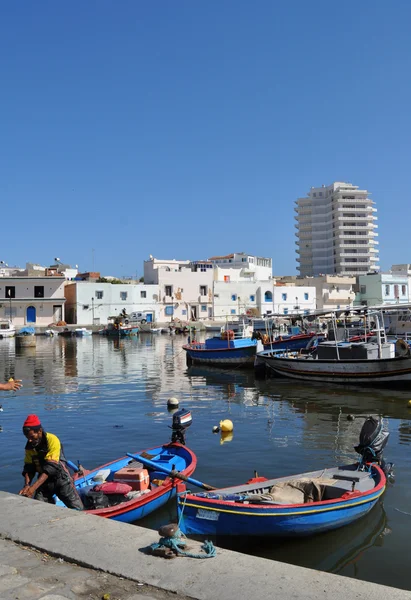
(45, 457)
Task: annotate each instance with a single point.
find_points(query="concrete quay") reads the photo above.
(115, 553)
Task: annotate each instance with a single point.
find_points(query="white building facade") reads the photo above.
(92, 303)
(32, 301)
(293, 300)
(336, 231)
(185, 288)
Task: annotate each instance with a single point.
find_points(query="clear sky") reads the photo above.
(187, 129)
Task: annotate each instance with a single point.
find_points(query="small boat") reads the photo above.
(290, 342)
(300, 505)
(120, 326)
(82, 332)
(123, 490)
(7, 329)
(66, 332)
(229, 349)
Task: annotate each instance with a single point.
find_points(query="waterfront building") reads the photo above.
(92, 303)
(185, 288)
(405, 271)
(294, 299)
(376, 289)
(240, 267)
(32, 301)
(336, 231)
(332, 292)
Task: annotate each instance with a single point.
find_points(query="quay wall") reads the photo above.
(117, 548)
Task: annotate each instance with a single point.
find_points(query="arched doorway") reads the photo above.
(31, 314)
(268, 297)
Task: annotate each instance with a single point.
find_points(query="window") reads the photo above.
(284, 297)
(363, 289)
(268, 296)
(305, 296)
(39, 291)
(10, 291)
(252, 298)
(143, 294)
(285, 311)
(203, 308)
(233, 297)
(403, 290)
(169, 310)
(227, 278)
(168, 290)
(233, 311)
(183, 312)
(396, 291)
(86, 306)
(99, 295)
(387, 290)
(123, 295)
(203, 290)
(243, 260)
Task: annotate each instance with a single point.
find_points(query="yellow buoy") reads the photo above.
(409, 403)
(226, 425)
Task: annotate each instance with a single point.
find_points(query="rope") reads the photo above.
(176, 543)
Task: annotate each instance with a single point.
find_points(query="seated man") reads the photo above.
(45, 457)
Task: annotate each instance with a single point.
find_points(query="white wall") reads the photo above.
(84, 299)
(290, 299)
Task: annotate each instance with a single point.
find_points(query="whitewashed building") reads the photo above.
(240, 267)
(89, 303)
(293, 300)
(32, 301)
(332, 292)
(185, 288)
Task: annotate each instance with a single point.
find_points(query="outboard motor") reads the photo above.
(182, 419)
(373, 439)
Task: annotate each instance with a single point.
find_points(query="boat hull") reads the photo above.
(221, 357)
(296, 342)
(128, 512)
(203, 516)
(385, 370)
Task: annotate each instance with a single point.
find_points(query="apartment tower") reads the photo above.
(336, 231)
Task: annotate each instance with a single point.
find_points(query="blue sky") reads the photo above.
(186, 129)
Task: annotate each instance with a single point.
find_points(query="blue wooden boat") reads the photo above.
(120, 329)
(261, 507)
(293, 342)
(166, 466)
(161, 487)
(229, 349)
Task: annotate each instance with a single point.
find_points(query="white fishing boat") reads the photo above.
(372, 361)
(7, 329)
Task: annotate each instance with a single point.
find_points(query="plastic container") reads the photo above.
(137, 478)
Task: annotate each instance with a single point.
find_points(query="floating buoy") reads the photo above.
(350, 417)
(226, 425)
(226, 436)
(1, 408)
(216, 429)
(172, 402)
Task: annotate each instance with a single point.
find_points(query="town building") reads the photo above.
(377, 289)
(239, 267)
(294, 299)
(32, 301)
(405, 271)
(185, 288)
(332, 292)
(93, 303)
(336, 231)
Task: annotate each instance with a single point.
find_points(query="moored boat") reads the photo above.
(369, 362)
(299, 505)
(124, 490)
(82, 332)
(7, 329)
(229, 349)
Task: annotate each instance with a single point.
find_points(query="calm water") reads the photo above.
(106, 397)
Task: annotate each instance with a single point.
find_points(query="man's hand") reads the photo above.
(27, 491)
(12, 385)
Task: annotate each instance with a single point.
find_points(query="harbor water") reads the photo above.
(104, 397)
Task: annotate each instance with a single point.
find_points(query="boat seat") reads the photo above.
(346, 477)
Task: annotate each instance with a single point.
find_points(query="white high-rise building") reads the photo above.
(336, 231)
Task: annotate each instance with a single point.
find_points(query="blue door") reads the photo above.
(31, 314)
(149, 318)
